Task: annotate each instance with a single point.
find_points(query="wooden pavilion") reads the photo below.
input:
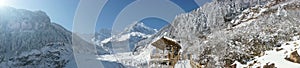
(171, 46)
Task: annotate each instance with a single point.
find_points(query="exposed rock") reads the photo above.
(294, 57)
(28, 39)
(279, 49)
(269, 66)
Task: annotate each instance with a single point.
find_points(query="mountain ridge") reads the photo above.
(128, 38)
(30, 39)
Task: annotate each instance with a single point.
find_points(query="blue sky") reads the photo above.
(60, 11)
(114, 7)
(63, 11)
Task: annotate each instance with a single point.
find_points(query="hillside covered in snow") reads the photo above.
(229, 33)
(222, 32)
(28, 39)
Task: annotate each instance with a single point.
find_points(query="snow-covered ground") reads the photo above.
(183, 64)
(128, 59)
(88, 61)
(276, 56)
(139, 60)
(272, 56)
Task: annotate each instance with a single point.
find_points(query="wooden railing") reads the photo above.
(195, 64)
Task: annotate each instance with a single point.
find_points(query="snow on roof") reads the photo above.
(170, 39)
(162, 42)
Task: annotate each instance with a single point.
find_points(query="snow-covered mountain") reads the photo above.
(102, 34)
(224, 31)
(139, 27)
(126, 40)
(28, 39)
(231, 33)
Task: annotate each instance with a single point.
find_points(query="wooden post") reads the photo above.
(172, 57)
(164, 53)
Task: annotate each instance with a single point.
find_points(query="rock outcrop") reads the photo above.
(28, 39)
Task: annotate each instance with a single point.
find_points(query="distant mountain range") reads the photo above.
(126, 40)
(30, 39)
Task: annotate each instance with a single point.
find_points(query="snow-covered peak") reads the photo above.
(30, 40)
(139, 27)
(102, 34)
(21, 20)
(127, 39)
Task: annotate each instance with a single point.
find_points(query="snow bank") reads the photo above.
(276, 56)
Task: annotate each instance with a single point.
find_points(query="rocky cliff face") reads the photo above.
(30, 39)
(224, 31)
